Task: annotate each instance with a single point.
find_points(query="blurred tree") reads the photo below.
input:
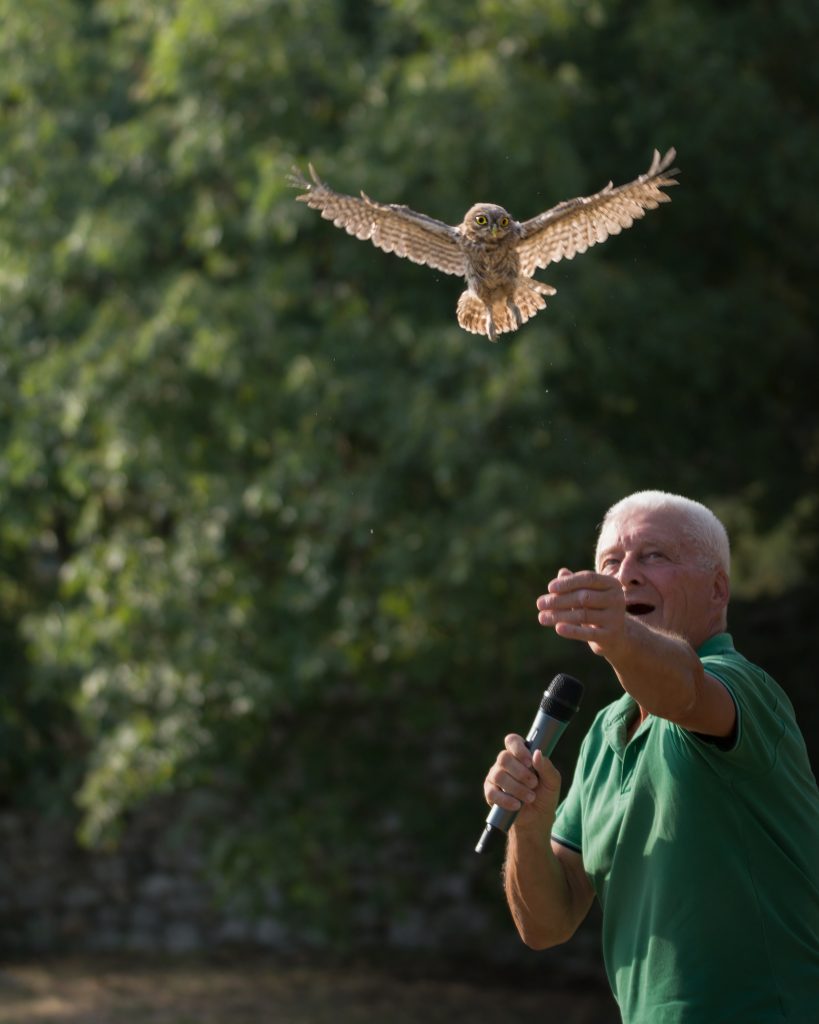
(273, 525)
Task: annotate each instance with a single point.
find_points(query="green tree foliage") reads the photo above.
(273, 525)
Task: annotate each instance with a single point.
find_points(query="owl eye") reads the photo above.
(481, 219)
(504, 222)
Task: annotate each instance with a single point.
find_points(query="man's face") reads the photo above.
(662, 580)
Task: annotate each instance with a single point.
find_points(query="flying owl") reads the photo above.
(496, 254)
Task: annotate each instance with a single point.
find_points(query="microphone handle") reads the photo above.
(543, 736)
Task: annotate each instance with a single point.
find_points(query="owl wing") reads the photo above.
(573, 226)
(390, 227)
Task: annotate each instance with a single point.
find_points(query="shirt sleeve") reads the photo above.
(568, 825)
(763, 712)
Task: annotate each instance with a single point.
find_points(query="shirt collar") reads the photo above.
(720, 643)
(616, 721)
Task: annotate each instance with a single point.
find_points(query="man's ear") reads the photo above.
(722, 588)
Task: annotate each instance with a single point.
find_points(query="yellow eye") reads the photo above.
(504, 222)
(481, 219)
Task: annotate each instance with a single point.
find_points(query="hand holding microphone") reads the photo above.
(560, 702)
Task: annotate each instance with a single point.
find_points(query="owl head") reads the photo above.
(488, 223)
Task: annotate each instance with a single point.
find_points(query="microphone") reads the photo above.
(560, 701)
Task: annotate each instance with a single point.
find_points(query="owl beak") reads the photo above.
(494, 230)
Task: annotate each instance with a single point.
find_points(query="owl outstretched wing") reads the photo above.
(390, 227)
(573, 226)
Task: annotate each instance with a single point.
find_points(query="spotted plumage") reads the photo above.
(496, 254)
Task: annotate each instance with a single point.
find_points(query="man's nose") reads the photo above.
(630, 570)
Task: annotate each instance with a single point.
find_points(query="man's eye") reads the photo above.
(608, 563)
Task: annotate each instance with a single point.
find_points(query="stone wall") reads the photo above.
(151, 894)
(148, 895)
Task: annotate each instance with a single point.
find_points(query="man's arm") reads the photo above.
(661, 671)
(547, 890)
(664, 675)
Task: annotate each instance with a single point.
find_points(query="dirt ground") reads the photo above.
(109, 991)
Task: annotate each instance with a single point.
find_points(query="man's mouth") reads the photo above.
(637, 608)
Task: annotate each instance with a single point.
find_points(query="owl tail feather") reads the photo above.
(473, 315)
(504, 314)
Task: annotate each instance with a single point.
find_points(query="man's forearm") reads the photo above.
(659, 670)
(538, 891)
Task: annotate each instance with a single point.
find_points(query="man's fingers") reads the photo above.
(586, 579)
(516, 746)
(584, 597)
(577, 631)
(510, 787)
(546, 771)
(508, 794)
(511, 781)
(593, 618)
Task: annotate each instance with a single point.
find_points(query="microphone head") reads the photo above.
(562, 697)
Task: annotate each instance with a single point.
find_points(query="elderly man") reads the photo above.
(693, 814)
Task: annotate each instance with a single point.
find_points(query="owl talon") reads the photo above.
(490, 326)
(515, 312)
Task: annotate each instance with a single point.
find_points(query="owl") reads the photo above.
(495, 254)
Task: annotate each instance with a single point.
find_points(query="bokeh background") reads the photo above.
(272, 525)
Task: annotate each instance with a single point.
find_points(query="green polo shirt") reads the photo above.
(705, 860)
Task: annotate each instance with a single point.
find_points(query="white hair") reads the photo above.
(699, 525)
